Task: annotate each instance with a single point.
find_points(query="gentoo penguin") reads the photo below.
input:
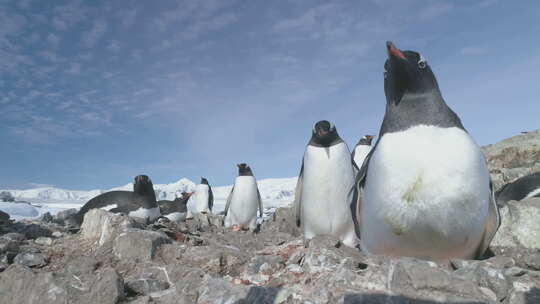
(243, 201)
(323, 196)
(361, 150)
(432, 199)
(522, 188)
(175, 211)
(141, 203)
(203, 198)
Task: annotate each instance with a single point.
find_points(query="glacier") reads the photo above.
(32, 203)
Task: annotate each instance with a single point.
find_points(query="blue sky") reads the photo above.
(93, 93)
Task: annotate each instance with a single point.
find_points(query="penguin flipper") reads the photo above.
(260, 203)
(229, 199)
(492, 224)
(298, 196)
(210, 199)
(356, 202)
(355, 165)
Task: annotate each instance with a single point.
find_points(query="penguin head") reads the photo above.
(244, 170)
(366, 140)
(184, 198)
(204, 181)
(324, 133)
(406, 72)
(142, 184)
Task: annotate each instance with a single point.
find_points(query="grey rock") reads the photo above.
(533, 261)
(108, 287)
(32, 287)
(218, 290)
(14, 236)
(259, 269)
(525, 290)
(515, 272)
(19, 284)
(33, 231)
(46, 217)
(325, 253)
(81, 265)
(8, 257)
(62, 216)
(145, 286)
(215, 259)
(520, 225)
(140, 300)
(30, 259)
(411, 276)
(138, 245)
(205, 221)
(46, 241)
(7, 245)
(487, 277)
(283, 220)
(6, 196)
(513, 157)
(4, 217)
(57, 234)
(102, 227)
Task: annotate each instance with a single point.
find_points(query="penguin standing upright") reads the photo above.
(243, 201)
(361, 150)
(322, 195)
(424, 190)
(203, 198)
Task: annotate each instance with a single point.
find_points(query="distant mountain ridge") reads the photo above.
(271, 189)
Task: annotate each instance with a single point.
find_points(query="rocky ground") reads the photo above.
(114, 259)
(513, 157)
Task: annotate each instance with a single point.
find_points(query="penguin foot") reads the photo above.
(236, 228)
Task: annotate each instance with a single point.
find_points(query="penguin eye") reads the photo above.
(385, 74)
(422, 63)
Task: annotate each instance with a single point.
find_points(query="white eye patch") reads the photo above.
(422, 63)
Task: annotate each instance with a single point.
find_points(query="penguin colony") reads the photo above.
(431, 200)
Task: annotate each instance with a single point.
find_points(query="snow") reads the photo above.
(275, 192)
(19, 211)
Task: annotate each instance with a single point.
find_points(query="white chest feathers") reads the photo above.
(201, 198)
(327, 179)
(360, 153)
(426, 194)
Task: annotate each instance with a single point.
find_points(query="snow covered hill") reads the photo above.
(275, 192)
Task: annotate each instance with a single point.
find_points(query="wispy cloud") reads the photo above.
(74, 68)
(53, 39)
(128, 17)
(90, 38)
(209, 25)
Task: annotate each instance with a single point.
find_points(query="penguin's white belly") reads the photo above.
(360, 153)
(150, 214)
(326, 183)
(426, 195)
(201, 198)
(244, 202)
(533, 193)
(177, 216)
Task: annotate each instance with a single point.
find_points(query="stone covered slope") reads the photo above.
(513, 157)
(117, 260)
